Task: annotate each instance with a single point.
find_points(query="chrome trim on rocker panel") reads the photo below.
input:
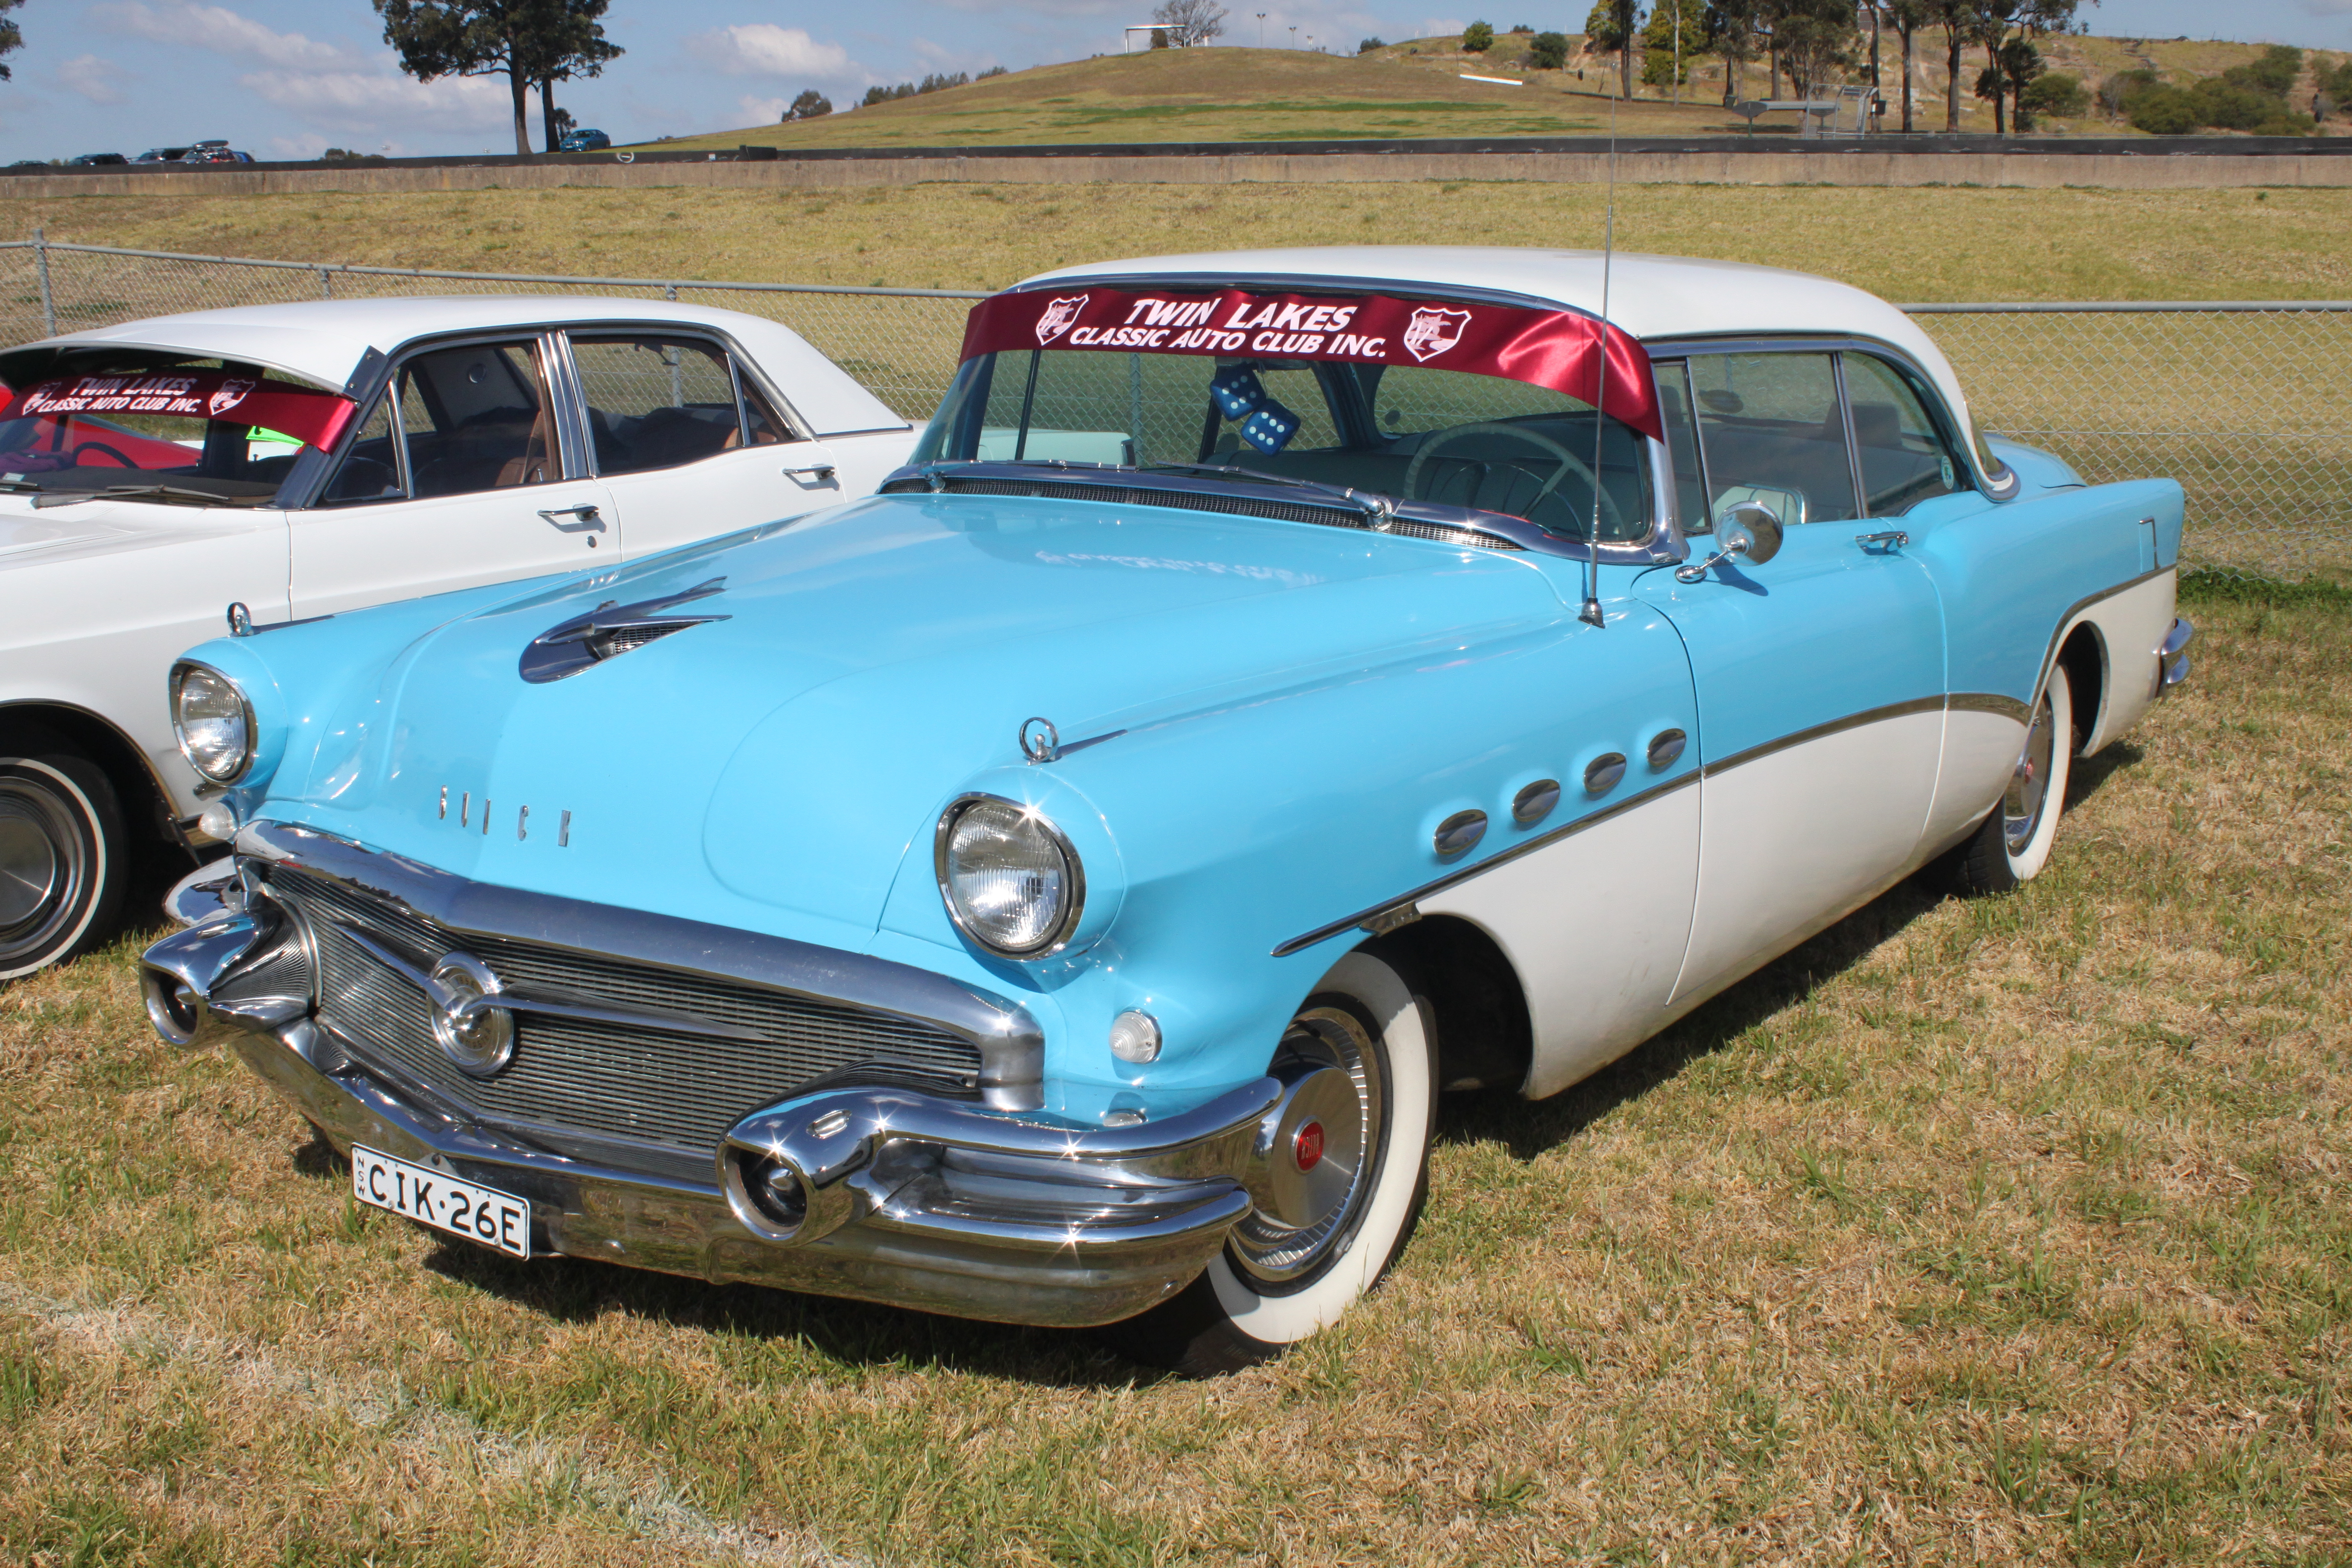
(2066, 624)
(1851, 722)
(1989, 702)
(1010, 1042)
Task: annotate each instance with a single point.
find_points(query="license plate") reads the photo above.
(461, 1208)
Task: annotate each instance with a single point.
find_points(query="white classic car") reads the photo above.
(297, 460)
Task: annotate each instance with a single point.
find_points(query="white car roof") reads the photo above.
(1651, 297)
(323, 340)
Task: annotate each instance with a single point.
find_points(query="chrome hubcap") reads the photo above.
(41, 864)
(2029, 785)
(1324, 1160)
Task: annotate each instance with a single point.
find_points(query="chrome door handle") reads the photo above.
(585, 516)
(819, 472)
(1891, 539)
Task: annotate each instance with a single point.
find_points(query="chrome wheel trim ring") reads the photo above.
(1276, 1258)
(45, 864)
(2029, 785)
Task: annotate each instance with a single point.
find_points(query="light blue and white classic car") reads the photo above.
(1285, 686)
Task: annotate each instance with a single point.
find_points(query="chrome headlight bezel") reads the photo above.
(1058, 931)
(180, 668)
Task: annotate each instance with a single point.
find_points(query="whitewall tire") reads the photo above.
(1282, 1277)
(2012, 845)
(62, 857)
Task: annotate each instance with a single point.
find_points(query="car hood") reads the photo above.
(107, 526)
(771, 769)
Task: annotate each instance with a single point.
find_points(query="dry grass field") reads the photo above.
(2009, 1231)
(1908, 245)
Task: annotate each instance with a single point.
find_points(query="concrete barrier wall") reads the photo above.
(1848, 164)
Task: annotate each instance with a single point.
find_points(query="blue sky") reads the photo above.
(287, 79)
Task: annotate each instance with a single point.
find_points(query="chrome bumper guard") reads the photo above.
(2172, 659)
(885, 1195)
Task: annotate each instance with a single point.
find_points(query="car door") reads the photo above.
(690, 444)
(1821, 673)
(458, 476)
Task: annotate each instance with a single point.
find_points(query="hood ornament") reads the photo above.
(609, 630)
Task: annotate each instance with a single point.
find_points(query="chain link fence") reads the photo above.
(2246, 403)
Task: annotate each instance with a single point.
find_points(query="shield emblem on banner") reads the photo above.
(1432, 332)
(229, 394)
(1058, 318)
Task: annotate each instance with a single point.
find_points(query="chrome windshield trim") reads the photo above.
(1011, 1044)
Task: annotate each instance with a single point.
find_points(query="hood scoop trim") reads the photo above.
(610, 630)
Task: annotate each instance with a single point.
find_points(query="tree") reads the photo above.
(529, 42)
(570, 42)
(2056, 94)
(12, 37)
(1659, 53)
(1813, 38)
(1477, 38)
(1610, 29)
(1190, 22)
(1906, 16)
(810, 105)
(1958, 19)
(1548, 51)
(1369, 45)
(1735, 26)
(2020, 63)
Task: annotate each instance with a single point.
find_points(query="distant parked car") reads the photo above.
(309, 458)
(583, 142)
(216, 152)
(1286, 685)
(95, 160)
(26, 164)
(162, 155)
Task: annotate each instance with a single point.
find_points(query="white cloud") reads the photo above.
(222, 31)
(359, 101)
(763, 48)
(96, 79)
(762, 111)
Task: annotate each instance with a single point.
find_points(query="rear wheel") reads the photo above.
(63, 856)
(1348, 1182)
(2012, 845)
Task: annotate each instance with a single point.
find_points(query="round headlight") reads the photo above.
(213, 721)
(1010, 881)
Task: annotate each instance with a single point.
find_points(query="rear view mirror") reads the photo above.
(1749, 528)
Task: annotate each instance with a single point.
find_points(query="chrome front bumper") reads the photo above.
(881, 1194)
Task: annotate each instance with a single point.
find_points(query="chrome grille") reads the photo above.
(633, 1082)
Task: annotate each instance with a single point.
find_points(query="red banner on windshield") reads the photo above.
(1562, 350)
(317, 417)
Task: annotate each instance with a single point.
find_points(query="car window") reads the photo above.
(1771, 431)
(1681, 447)
(369, 469)
(475, 419)
(1903, 460)
(656, 402)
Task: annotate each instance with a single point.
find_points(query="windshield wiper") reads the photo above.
(175, 495)
(19, 487)
(1376, 506)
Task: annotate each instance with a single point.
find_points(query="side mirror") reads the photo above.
(1748, 529)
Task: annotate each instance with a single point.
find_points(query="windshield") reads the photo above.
(1323, 406)
(199, 430)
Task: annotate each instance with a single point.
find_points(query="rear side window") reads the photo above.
(1903, 459)
(1773, 431)
(656, 402)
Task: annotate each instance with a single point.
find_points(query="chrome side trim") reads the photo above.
(1988, 702)
(1011, 1044)
(1813, 733)
(1379, 917)
(2066, 621)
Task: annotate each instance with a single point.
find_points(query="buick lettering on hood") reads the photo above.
(1283, 687)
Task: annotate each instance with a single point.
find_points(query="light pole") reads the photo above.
(1294, 38)
(1261, 29)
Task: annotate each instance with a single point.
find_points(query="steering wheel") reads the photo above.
(99, 447)
(1568, 459)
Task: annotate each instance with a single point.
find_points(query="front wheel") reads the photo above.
(1350, 1184)
(63, 856)
(2012, 845)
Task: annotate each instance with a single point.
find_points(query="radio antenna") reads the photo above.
(1591, 613)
